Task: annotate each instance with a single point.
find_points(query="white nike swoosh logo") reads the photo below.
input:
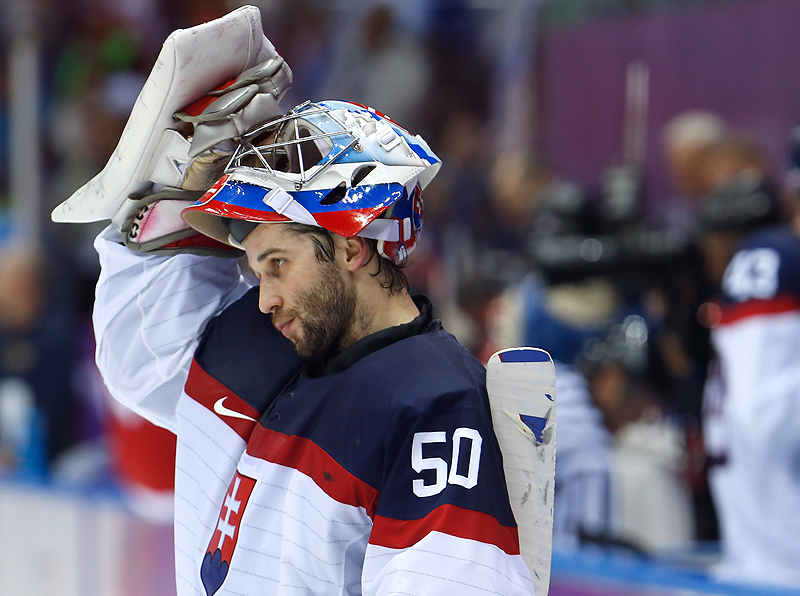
(223, 411)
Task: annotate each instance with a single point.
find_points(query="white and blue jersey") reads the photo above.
(378, 473)
(752, 410)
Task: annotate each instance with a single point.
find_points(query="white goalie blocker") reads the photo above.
(521, 383)
(219, 78)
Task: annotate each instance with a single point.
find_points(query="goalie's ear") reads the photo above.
(355, 252)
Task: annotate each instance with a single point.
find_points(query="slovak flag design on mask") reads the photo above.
(220, 550)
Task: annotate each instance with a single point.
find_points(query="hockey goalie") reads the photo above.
(332, 437)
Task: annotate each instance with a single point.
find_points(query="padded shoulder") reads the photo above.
(241, 349)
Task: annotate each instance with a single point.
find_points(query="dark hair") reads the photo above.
(392, 276)
(324, 248)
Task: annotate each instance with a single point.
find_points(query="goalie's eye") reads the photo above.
(274, 265)
(269, 268)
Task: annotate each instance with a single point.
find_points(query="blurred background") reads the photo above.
(602, 161)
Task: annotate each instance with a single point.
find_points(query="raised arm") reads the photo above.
(148, 316)
(162, 281)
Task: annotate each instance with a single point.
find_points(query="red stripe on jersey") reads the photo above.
(781, 303)
(231, 409)
(448, 519)
(310, 459)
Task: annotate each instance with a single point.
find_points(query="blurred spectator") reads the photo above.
(448, 263)
(619, 478)
(37, 347)
(386, 68)
(626, 482)
(653, 499)
(516, 190)
(741, 197)
(686, 139)
(737, 195)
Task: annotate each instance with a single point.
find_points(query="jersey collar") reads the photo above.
(340, 361)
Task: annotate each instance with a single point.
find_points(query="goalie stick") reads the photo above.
(521, 387)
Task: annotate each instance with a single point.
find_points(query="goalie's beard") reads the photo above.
(327, 315)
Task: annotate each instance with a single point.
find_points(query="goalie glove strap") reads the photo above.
(132, 209)
(153, 225)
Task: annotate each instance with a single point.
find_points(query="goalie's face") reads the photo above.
(309, 298)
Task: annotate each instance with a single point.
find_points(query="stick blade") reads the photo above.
(521, 384)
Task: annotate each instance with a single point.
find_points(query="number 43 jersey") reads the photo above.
(752, 410)
(382, 475)
(760, 312)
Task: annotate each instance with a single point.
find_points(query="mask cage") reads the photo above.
(291, 146)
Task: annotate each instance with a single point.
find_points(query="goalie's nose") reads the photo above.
(268, 299)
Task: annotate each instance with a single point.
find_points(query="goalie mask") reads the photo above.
(336, 165)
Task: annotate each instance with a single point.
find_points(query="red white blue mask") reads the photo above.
(333, 164)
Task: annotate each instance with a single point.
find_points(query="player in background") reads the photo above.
(752, 398)
(332, 437)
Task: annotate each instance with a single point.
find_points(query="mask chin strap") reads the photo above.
(391, 231)
(388, 230)
(284, 204)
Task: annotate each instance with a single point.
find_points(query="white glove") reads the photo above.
(221, 77)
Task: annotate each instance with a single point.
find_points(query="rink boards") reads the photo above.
(602, 572)
(78, 543)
